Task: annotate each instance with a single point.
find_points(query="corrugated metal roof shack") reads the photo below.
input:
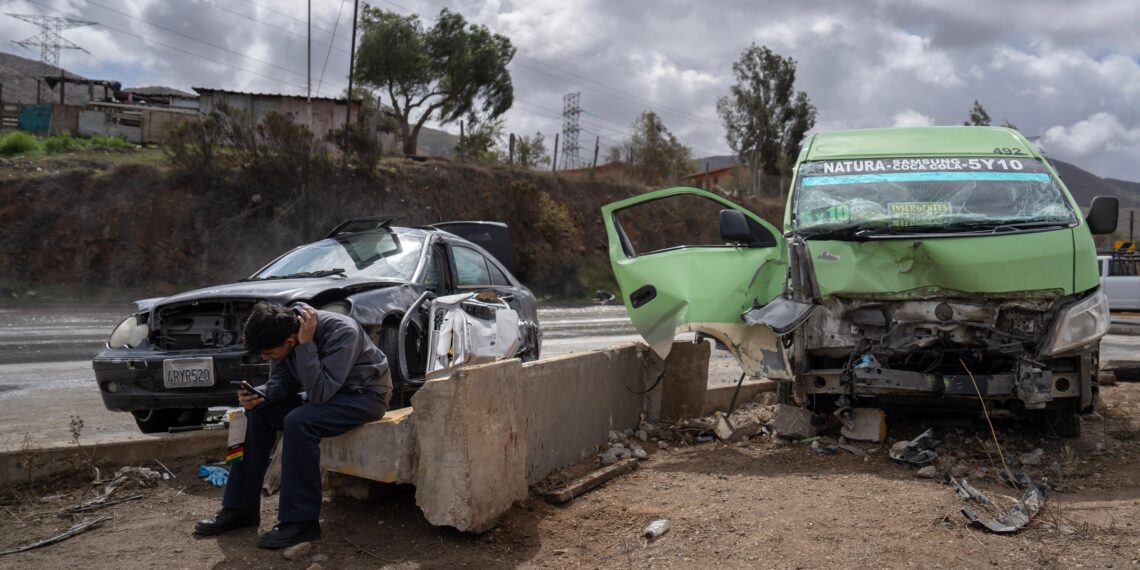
(328, 113)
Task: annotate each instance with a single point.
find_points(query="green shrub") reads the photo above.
(18, 142)
(61, 143)
(102, 141)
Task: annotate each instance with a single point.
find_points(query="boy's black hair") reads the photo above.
(268, 326)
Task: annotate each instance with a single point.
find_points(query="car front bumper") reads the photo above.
(132, 379)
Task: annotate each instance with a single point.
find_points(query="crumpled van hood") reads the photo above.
(1022, 265)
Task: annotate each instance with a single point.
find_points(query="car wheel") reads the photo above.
(389, 344)
(162, 419)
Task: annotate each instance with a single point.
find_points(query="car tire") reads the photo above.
(161, 420)
(388, 342)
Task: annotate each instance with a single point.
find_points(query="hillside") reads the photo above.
(1085, 185)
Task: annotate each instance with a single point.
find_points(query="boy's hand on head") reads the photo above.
(308, 325)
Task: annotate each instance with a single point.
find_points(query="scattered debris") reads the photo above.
(567, 491)
(793, 422)
(99, 503)
(1018, 516)
(928, 472)
(967, 492)
(918, 451)
(169, 474)
(74, 530)
(866, 424)
(1032, 458)
(213, 475)
(297, 551)
(656, 529)
(853, 450)
(320, 558)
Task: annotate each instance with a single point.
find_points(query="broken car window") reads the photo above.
(377, 255)
(928, 193)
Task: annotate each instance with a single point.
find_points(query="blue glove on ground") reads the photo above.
(213, 475)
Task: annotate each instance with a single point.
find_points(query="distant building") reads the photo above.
(158, 95)
(328, 113)
(713, 172)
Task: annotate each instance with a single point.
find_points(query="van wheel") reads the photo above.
(1064, 421)
(162, 419)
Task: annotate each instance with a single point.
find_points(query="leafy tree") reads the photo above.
(765, 119)
(978, 116)
(443, 72)
(654, 155)
(531, 151)
(480, 138)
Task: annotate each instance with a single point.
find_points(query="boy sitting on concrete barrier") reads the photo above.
(345, 377)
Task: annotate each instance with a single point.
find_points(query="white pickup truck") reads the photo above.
(1121, 281)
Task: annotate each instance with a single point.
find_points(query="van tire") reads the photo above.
(388, 342)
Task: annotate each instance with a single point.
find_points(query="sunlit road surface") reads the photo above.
(46, 377)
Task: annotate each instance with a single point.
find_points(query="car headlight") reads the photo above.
(338, 307)
(1080, 324)
(130, 333)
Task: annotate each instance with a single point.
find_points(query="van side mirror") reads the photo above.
(734, 227)
(1103, 214)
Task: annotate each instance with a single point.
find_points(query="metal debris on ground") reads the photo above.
(967, 492)
(74, 530)
(1018, 516)
(857, 452)
(918, 451)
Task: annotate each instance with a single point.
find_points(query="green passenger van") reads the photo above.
(921, 268)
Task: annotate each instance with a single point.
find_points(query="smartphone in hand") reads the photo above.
(251, 389)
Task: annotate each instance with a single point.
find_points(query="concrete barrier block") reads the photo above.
(383, 450)
(686, 380)
(470, 436)
(572, 402)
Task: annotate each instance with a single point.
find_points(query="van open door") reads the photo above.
(689, 260)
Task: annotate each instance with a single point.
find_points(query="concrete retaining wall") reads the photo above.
(572, 402)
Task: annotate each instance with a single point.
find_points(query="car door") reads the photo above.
(677, 273)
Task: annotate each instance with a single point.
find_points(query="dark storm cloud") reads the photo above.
(1066, 74)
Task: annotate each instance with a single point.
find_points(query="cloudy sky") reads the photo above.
(1069, 75)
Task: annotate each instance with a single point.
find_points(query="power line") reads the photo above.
(50, 41)
(302, 20)
(329, 52)
(279, 28)
(181, 50)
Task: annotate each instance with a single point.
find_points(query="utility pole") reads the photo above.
(50, 41)
(351, 64)
(511, 152)
(309, 81)
(597, 145)
(554, 163)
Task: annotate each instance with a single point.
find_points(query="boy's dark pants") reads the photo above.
(303, 425)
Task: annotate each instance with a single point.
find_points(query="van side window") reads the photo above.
(1100, 267)
(497, 277)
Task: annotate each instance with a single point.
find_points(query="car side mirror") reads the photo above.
(734, 227)
(1103, 215)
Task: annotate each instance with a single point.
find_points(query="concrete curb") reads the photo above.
(1129, 327)
(31, 464)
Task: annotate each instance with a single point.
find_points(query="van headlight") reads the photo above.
(130, 333)
(1080, 324)
(338, 307)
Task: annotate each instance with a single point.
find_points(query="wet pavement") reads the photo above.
(46, 351)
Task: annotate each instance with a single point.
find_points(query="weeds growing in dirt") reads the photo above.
(1069, 462)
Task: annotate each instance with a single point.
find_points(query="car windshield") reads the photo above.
(928, 194)
(375, 255)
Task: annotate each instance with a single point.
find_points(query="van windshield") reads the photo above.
(928, 194)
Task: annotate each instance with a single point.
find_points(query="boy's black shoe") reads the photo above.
(226, 520)
(285, 535)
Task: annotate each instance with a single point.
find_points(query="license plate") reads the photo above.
(188, 372)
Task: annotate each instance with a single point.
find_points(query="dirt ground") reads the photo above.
(753, 505)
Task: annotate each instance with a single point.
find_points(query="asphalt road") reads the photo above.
(46, 377)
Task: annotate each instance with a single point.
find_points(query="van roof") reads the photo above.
(917, 141)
